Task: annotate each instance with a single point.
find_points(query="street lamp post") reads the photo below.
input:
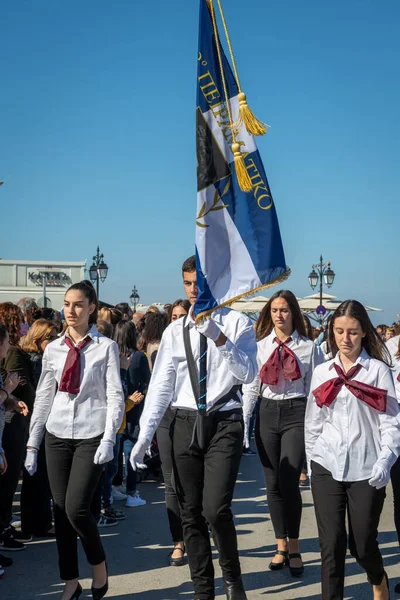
(134, 298)
(98, 271)
(323, 273)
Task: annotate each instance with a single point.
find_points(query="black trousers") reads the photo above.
(205, 484)
(395, 477)
(280, 444)
(14, 444)
(73, 479)
(36, 515)
(164, 442)
(363, 504)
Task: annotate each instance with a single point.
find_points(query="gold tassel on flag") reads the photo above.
(246, 116)
(242, 174)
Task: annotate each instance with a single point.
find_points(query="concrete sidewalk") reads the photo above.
(137, 551)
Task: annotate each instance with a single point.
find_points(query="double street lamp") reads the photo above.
(134, 298)
(322, 272)
(98, 271)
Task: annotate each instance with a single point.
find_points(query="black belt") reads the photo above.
(236, 414)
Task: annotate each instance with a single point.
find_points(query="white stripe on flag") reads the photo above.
(219, 246)
(219, 125)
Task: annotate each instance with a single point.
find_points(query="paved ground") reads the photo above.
(137, 552)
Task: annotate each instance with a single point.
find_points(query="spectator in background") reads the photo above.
(138, 377)
(381, 330)
(308, 326)
(112, 315)
(389, 334)
(179, 309)
(168, 310)
(317, 333)
(30, 311)
(150, 339)
(105, 328)
(15, 431)
(153, 309)
(36, 515)
(6, 389)
(125, 310)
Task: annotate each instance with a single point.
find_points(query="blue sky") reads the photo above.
(97, 110)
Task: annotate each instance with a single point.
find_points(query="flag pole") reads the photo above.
(246, 116)
(240, 167)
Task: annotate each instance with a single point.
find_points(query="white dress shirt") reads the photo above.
(97, 408)
(348, 437)
(308, 357)
(232, 364)
(393, 347)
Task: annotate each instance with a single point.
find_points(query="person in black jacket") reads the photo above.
(16, 427)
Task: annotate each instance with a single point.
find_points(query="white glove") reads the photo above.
(104, 453)
(31, 461)
(210, 329)
(138, 453)
(380, 475)
(246, 438)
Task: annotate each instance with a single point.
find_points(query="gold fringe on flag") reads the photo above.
(246, 116)
(207, 313)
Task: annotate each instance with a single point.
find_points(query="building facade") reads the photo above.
(38, 279)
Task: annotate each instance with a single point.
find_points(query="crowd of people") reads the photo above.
(94, 399)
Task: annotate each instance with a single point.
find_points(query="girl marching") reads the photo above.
(80, 404)
(352, 440)
(286, 359)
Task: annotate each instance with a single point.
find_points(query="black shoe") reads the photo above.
(99, 593)
(77, 592)
(8, 543)
(296, 571)
(234, 590)
(278, 566)
(396, 587)
(177, 562)
(5, 561)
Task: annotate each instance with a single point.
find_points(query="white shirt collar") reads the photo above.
(363, 359)
(93, 333)
(295, 336)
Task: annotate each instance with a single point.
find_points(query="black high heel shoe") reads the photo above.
(296, 571)
(177, 562)
(278, 566)
(77, 592)
(99, 593)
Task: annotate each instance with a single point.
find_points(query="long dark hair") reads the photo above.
(264, 325)
(125, 336)
(155, 325)
(372, 342)
(89, 292)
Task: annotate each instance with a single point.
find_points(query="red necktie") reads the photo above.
(282, 359)
(71, 376)
(326, 393)
(398, 377)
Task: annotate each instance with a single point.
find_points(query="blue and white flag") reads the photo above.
(238, 243)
